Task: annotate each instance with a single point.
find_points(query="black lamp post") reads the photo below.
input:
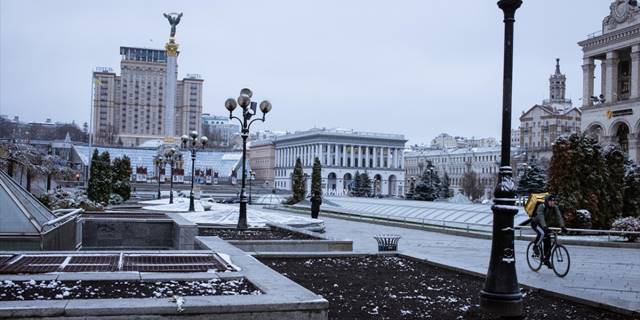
(248, 111)
(193, 143)
(252, 176)
(159, 162)
(171, 157)
(501, 295)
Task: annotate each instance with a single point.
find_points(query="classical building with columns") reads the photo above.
(455, 162)
(342, 154)
(542, 124)
(612, 114)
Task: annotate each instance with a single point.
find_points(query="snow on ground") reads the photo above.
(227, 215)
(179, 205)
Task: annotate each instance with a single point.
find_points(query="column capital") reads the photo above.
(612, 55)
(588, 61)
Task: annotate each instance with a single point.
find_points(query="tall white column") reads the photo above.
(366, 156)
(395, 158)
(307, 151)
(375, 157)
(170, 92)
(587, 81)
(635, 72)
(381, 157)
(353, 163)
(344, 155)
(321, 154)
(612, 77)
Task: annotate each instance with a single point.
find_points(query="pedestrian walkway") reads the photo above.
(476, 216)
(605, 275)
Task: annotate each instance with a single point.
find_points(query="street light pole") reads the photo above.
(193, 143)
(170, 156)
(251, 177)
(159, 162)
(501, 294)
(248, 111)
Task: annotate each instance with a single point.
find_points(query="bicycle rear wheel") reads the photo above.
(533, 260)
(560, 260)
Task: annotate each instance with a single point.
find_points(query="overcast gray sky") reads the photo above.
(416, 67)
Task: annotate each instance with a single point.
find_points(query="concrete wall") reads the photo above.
(108, 233)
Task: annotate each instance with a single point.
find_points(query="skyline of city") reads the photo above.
(320, 77)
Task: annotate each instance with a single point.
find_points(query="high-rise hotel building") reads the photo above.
(132, 108)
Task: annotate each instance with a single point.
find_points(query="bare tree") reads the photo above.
(472, 187)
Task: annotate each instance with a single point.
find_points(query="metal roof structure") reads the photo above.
(222, 162)
(27, 224)
(20, 211)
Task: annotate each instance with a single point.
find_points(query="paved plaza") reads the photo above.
(605, 275)
(478, 216)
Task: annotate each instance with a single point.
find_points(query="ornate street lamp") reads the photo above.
(248, 111)
(193, 143)
(501, 295)
(252, 176)
(159, 162)
(171, 157)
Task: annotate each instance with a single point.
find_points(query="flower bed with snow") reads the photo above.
(254, 234)
(54, 290)
(389, 287)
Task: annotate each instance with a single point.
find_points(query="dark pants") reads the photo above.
(542, 240)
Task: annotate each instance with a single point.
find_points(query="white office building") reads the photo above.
(342, 153)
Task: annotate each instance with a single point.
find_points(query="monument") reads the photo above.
(172, 56)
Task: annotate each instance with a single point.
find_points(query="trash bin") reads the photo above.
(387, 242)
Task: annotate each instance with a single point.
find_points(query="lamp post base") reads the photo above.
(192, 206)
(242, 220)
(504, 305)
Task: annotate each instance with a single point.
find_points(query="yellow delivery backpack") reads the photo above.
(533, 201)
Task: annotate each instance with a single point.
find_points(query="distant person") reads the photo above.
(539, 225)
(316, 201)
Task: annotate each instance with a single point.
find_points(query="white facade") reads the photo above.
(342, 153)
(455, 162)
(612, 115)
(542, 124)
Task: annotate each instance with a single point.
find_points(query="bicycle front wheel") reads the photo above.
(533, 260)
(560, 260)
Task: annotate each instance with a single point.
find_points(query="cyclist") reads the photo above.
(539, 225)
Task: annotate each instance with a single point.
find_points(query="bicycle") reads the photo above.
(559, 259)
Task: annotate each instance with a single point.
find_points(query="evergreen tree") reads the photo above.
(298, 182)
(316, 178)
(614, 182)
(564, 175)
(355, 185)
(364, 185)
(316, 188)
(429, 186)
(579, 174)
(93, 189)
(631, 191)
(121, 176)
(99, 189)
(532, 180)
